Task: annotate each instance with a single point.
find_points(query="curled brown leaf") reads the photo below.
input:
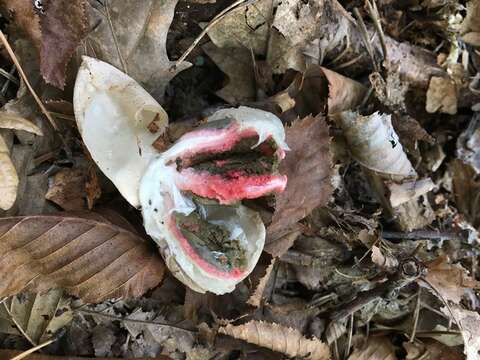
(278, 338)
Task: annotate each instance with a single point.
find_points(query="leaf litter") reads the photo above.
(369, 252)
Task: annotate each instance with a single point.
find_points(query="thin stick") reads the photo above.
(110, 24)
(18, 325)
(24, 354)
(364, 32)
(416, 314)
(9, 49)
(350, 336)
(374, 15)
(214, 21)
(9, 76)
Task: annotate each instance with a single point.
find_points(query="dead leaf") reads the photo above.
(307, 166)
(280, 241)
(375, 144)
(8, 177)
(9, 354)
(469, 321)
(375, 348)
(318, 86)
(465, 183)
(470, 23)
(90, 259)
(93, 188)
(294, 25)
(384, 260)
(67, 189)
(431, 350)
(449, 280)
(406, 191)
(237, 64)
(262, 275)
(15, 122)
(40, 316)
(63, 25)
(442, 96)
(278, 338)
(468, 144)
(246, 27)
(132, 37)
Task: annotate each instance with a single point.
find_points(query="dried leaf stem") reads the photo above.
(12, 55)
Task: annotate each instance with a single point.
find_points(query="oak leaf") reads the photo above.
(89, 259)
(307, 166)
(278, 338)
(132, 36)
(64, 24)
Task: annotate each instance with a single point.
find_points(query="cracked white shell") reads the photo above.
(113, 112)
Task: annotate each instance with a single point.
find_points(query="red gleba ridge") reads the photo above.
(236, 187)
(196, 258)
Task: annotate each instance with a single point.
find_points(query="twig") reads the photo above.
(119, 318)
(214, 21)
(10, 51)
(24, 354)
(374, 15)
(364, 32)
(18, 325)
(421, 234)
(110, 24)
(9, 76)
(416, 314)
(350, 336)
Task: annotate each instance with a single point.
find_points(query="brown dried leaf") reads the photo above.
(307, 166)
(465, 183)
(430, 350)
(90, 259)
(237, 64)
(261, 274)
(132, 36)
(278, 338)
(384, 261)
(8, 178)
(449, 280)
(63, 26)
(67, 189)
(376, 348)
(9, 354)
(15, 122)
(442, 96)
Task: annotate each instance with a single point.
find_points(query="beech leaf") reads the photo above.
(307, 166)
(63, 25)
(278, 338)
(90, 259)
